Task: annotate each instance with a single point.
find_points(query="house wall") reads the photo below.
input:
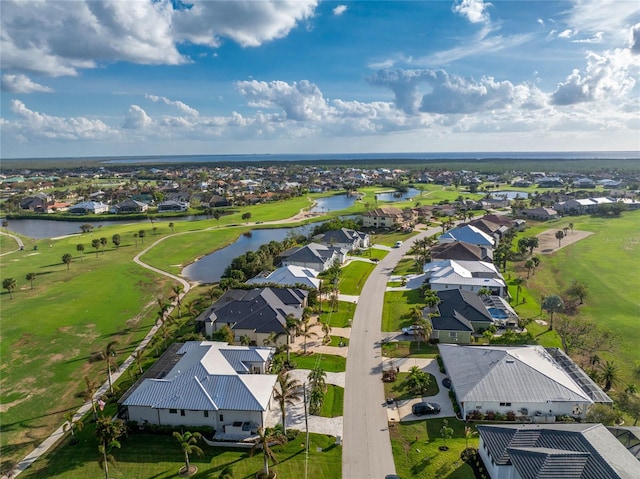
(464, 287)
(379, 221)
(495, 471)
(193, 418)
(457, 337)
(551, 408)
(318, 266)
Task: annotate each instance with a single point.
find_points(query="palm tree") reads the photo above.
(10, 285)
(291, 327)
(468, 434)
(137, 357)
(530, 265)
(245, 340)
(141, 235)
(135, 237)
(171, 225)
(116, 240)
(108, 431)
(88, 393)
(559, 236)
(431, 298)
(610, 375)
(318, 382)
(188, 443)
(446, 431)
(418, 380)
(571, 227)
(552, 304)
(31, 277)
(217, 215)
(422, 329)
(67, 259)
(305, 332)
(103, 243)
(108, 353)
(80, 248)
(326, 330)
(71, 425)
(176, 297)
(96, 244)
(286, 394)
(518, 283)
(266, 438)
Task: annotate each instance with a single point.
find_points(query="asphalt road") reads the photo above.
(366, 451)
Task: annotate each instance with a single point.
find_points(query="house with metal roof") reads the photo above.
(205, 384)
(255, 313)
(314, 256)
(571, 451)
(289, 276)
(344, 238)
(461, 251)
(468, 234)
(528, 381)
(468, 275)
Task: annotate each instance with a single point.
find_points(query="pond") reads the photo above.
(510, 195)
(397, 195)
(332, 203)
(209, 269)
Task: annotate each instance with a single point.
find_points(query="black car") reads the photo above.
(421, 408)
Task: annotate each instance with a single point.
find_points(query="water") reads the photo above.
(40, 229)
(510, 195)
(333, 203)
(209, 269)
(410, 193)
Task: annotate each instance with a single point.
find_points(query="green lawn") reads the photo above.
(407, 266)
(328, 362)
(153, 456)
(397, 308)
(340, 318)
(353, 277)
(400, 389)
(416, 450)
(333, 401)
(403, 349)
(390, 238)
(7, 244)
(337, 340)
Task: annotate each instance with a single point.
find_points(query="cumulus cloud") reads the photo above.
(452, 94)
(609, 16)
(31, 124)
(300, 101)
(568, 33)
(22, 84)
(59, 38)
(473, 10)
(183, 107)
(634, 40)
(596, 38)
(608, 76)
(136, 119)
(340, 9)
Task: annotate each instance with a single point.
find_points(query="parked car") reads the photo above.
(421, 408)
(409, 330)
(398, 244)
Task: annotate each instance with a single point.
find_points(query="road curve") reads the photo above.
(366, 449)
(17, 239)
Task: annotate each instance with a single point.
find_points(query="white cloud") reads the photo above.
(59, 38)
(183, 107)
(136, 119)
(540, 21)
(474, 10)
(568, 33)
(613, 17)
(340, 9)
(34, 125)
(22, 84)
(596, 38)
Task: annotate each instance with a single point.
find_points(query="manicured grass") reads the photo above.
(328, 362)
(397, 308)
(390, 238)
(353, 277)
(9, 244)
(403, 349)
(333, 401)
(336, 340)
(416, 450)
(607, 262)
(160, 457)
(407, 266)
(340, 318)
(376, 253)
(400, 388)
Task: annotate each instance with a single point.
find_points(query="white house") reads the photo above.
(528, 381)
(89, 207)
(468, 234)
(206, 384)
(465, 275)
(289, 276)
(344, 238)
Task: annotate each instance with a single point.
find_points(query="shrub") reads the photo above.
(474, 415)
(440, 363)
(292, 434)
(511, 416)
(390, 376)
(490, 416)
(500, 417)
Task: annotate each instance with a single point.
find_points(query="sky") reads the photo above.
(169, 77)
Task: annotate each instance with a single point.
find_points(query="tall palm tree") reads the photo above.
(552, 304)
(559, 236)
(245, 340)
(88, 393)
(171, 226)
(71, 425)
(518, 283)
(431, 298)
(108, 353)
(10, 285)
(141, 235)
(176, 297)
(96, 244)
(67, 259)
(135, 237)
(305, 332)
(422, 330)
(116, 240)
(103, 243)
(326, 331)
(610, 374)
(31, 277)
(108, 431)
(80, 248)
(266, 438)
(286, 394)
(188, 443)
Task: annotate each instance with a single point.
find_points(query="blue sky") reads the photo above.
(142, 77)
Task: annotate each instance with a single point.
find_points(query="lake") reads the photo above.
(391, 196)
(510, 195)
(209, 269)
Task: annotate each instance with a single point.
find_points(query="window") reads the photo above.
(221, 418)
(182, 412)
(453, 334)
(173, 411)
(206, 414)
(505, 404)
(435, 334)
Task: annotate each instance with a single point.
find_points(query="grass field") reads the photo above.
(608, 262)
(328, 362)
(403, 349)
(397, 308)
(144, 456)
(339, 318)
(416, 451)
(333, 401)
(406, 266)
(400, 390)
(390, 238)
(354, 275)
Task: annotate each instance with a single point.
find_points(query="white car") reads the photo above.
(398, 244)
(410, 330)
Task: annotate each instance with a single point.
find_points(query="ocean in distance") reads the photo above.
(289, 157)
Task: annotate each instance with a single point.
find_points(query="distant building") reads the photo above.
(289, 276)
(383, 217)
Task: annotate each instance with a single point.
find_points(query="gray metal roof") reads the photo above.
(508, 374)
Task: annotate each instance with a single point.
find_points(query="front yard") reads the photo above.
(396, 312)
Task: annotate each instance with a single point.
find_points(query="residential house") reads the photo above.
(255, 313)
(89, 207)
(527, 381)
(289, 276)
(495, 230)
(468, 234)
(541, 213)
(172, 205)
(344, 238)
(532, 451)
(466, 275)
(129, 206)
(383, 217)
(205, 384)
(459, 314)
(582, 206)
(584, 183)
(314, 256)
(461, 251)
(36, 202)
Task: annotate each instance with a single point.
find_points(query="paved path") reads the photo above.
(367, 445)
(17, 239)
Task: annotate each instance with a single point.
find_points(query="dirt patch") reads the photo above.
(548, 243)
